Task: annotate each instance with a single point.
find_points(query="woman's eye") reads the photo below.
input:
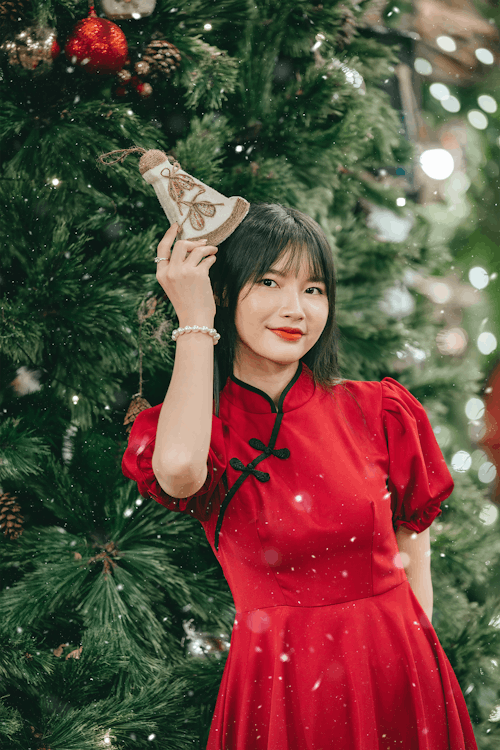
(317, 288)
(264, 280)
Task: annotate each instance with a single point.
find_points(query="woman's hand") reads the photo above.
(184, 277)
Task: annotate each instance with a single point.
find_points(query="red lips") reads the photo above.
(289, 334)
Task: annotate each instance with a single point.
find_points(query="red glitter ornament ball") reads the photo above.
(97, 45)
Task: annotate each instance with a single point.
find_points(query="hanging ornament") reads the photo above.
(128, 8)
(26, 381)
(147, 308)
(34, 49)
(142, 88)
(161, 57)
(137, 405)
(11, 518)
(97, 45)
(201, 644)
(351, 74)
(124, 76)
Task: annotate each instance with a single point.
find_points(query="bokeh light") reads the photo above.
(478, 277)
(484, 55)
(439, 91)
(439, 292)
(487, 103)
(452, 341)
(437, 163)
(422, 66)
(461, 461)
(446, 43)
(488, 516)
(474, 408)
(477, 119)
(486, 342)
(451, 104)
(487, 472)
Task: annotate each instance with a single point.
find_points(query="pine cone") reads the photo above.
(11, 518)
(162, 57)
(12, 13)
(346, 32)
(137, 405)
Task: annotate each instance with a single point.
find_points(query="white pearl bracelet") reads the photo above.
(201, 329)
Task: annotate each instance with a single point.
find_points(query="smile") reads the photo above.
(287, 335)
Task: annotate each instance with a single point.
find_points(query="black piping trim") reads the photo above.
(254, 390)
(258, 459)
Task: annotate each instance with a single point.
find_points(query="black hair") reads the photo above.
(249, 253)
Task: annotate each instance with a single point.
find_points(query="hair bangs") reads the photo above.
(295, 255)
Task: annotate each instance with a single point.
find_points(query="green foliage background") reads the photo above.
(96, 567)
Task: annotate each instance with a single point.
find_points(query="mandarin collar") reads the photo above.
(295, 394)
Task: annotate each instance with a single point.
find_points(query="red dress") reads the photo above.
(330, 648)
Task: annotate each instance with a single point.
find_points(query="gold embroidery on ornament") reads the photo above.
(177, 186)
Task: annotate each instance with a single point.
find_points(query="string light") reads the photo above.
(208, 27)
(75, 399)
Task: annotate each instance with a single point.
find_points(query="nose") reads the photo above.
(292, 305)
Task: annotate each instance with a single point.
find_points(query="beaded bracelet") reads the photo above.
(196, 329)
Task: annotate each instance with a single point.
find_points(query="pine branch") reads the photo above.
(21, 451)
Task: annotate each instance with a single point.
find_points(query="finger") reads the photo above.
(200, 252)
(165, 245)
(182, 249)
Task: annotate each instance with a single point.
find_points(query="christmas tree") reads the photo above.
(116, 619)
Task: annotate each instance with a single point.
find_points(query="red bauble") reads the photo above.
(97, 45)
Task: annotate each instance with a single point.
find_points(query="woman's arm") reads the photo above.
(185, 422)
(415, 551)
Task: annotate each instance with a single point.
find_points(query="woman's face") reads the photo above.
(278, 301)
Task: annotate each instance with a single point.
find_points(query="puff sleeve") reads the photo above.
(137, 465)
(419, 479)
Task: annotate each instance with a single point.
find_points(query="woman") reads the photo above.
(315, 493)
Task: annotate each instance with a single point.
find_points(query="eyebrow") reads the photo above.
(283, 275)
